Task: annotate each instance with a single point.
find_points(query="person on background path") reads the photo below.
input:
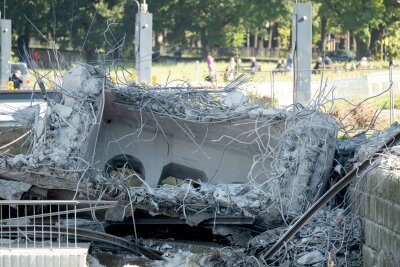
(318, 66)
(280, 66)
(363, 64)
(328, 62)
(254, 65)
(232, 64)
(289, 62)
(16, 79)
(239, 65)
(229, 74)
(177, 55)
(36, 56)
(210, 65)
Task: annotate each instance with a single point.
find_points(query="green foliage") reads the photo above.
(189, 22)
(393, 40)
(361, 18)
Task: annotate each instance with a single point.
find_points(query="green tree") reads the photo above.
(207, 20)
(366, 19)
(272, 17)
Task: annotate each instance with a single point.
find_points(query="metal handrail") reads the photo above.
(38, 223)
(55, 202)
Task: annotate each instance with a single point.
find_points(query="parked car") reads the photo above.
(341, 56)
(26, 83)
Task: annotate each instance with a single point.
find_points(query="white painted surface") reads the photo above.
(44, 257)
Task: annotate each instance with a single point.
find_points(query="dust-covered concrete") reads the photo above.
(231, 158)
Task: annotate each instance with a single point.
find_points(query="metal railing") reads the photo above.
(43, 223)
(349, 84)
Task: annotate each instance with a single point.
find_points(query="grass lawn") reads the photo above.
(377, 103)
(187, 72)
(193, 72)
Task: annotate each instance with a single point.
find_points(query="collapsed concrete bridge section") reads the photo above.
(228, 150)
(98, 128)
(192, 154)
(201, 154)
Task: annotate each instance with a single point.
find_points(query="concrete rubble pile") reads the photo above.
(333, 237)
(60, 139)
(290, 168)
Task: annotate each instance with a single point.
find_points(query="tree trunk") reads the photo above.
(248, 39)
(362, 48)
(271, 34)
(256, 38)
(89, 54)
(353, 42)
(204, 43)
(375, 36)
(348, 41)
(23, 45)
(156, 41)
(323, 33)
(276, 41)
(157, 46)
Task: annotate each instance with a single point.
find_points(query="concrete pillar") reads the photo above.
(301, 43)
(5, 51)
(143, 45)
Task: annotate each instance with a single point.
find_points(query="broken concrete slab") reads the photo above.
(234, 99)
(13, 189)
(311, 258)
(63, 111)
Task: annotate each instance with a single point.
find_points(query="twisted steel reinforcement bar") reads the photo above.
(359, 171)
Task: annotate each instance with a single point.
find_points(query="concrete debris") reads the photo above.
(289, 156)
(235, 99)
(185, 104)
(294, 149)
(63, 111)
(93, 262)
(83, 79)
(310, 258)
(375, 140)
(27, 116)
(396, 150)
(346, 150)
(231, 257)
(116, 214)
(344, 242)
(13, 189)
(255, 113)
(63, 135)
(238, 237)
